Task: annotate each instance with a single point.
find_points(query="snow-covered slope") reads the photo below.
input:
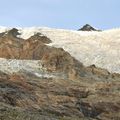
(99, 48)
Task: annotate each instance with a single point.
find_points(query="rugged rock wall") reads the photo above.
(35, 48)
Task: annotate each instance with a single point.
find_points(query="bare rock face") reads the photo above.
(58, 98)
(83, 93)
(10, 45)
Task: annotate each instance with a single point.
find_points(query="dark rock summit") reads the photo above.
(88, 27)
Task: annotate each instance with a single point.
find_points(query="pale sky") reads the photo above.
(67, 14)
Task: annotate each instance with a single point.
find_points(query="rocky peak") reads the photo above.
(40, 37)
(13, 32)
(88, 27)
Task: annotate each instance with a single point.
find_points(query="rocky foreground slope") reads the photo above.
(41, 82)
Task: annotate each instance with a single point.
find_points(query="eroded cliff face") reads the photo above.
(58, 98)
(55, 86)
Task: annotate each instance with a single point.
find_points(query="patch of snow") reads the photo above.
(28, 32)
(12, 65)
(44, 75)
(4, 29)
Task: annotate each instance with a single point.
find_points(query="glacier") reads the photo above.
(99, 48)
